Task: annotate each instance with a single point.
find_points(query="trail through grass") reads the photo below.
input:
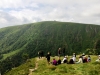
(91, 68)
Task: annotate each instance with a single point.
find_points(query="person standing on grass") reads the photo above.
(48, 57)
(39, 54)
(42, 53)
(59, 52)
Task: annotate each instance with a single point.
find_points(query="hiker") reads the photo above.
(54, 62)
(98, 58)
(65, 60)
(59, 52)
(84, 59)
(89, 58)
(59, 61)
(39, 54)
(48, 57)
(80, 60)
(71, 61)
(42, 54)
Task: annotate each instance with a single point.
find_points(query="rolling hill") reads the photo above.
(18, 43)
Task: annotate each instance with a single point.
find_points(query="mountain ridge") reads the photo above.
(26, 40)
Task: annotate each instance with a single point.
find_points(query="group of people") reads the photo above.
(82, 58)
(72, 60)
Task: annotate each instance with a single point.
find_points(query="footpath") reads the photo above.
(36, 66)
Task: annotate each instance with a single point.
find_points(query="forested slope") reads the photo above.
(24, 41)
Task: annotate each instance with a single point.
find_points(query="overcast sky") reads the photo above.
(17, 12)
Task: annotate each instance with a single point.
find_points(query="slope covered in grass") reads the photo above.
(49, 35)
(91, 68)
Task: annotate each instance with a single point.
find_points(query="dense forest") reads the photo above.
(18, 43)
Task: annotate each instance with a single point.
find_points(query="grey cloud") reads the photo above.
(82, 11)
(8, 20)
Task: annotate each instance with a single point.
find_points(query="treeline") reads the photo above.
(12, 62)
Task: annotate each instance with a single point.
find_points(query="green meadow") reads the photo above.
(90, 68)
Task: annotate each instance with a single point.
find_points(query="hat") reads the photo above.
(83, 53)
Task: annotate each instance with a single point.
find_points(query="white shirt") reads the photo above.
(80, 60)
(64, 59)
(74, 58)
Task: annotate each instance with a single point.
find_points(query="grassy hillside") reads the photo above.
(23, 42)
(91, 68)
(49, 36)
